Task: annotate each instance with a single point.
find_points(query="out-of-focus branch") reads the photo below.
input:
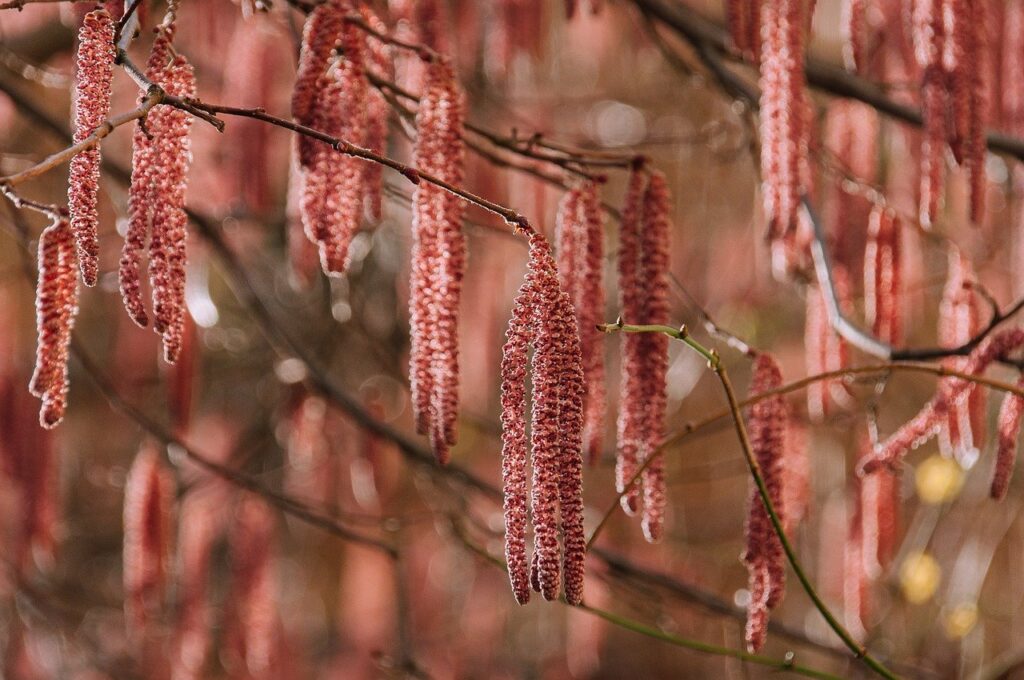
(707, 37)
(786, 664)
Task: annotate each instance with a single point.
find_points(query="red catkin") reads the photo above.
(854, 26)
(929, 39)
(580, 269)
(654, 270)
(148, 493)
(825, 349)
(438, 261)
(543, 317)
(94, 71)
(883, 283)
(764, 556)
(320, 35)
(56, 308)
(631, 409)
(1008, 429)
(333, 186)
(378, 113)
(877, 513)
(253, 622)
(199, 528)
(784, 130)
(960, 320)
(161, 156)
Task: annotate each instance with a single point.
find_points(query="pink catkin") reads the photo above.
(147, 530)
(763, 555)
(438, 261)
(929, 39)
(543, 316)
(167, 255)
(960, 320)
(142, 189)
(878, 515)
(333, 186)
(198, 531)
(854, 18)
(935, 414)
(631, 409)
(654, 271)
(320, 35)
(784, 130)
(1008, 430)
(253, 622)
(378, 113)
(56, 308)
(883, 283)
(826, 351)
(94, 71)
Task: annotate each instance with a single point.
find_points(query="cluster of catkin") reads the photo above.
(250, 621)
(438, 261)
(580, 239)
(643, 290)
(543, 318)
(764, 556)
(161, 156)
(333, 96)
(950, 43)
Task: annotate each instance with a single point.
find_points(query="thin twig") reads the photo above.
(735, 409)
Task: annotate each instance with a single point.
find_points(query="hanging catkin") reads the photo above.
(333, 185)
(1008, 430)
(438, 261)
(744, 20)
(654, 269)
(825, 350)
(56, 308)
(320, 35)
(764, 556)
(962, 434)
(94, 71)
(161, 156)
(883, 282)
(148, 493)
(543, 317)
(631, 408)
(784, 103)
(581, 274)
(378, 113)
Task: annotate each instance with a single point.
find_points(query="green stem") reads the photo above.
(741, 430)
(786, 664)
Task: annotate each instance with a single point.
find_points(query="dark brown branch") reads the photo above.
(709, 38)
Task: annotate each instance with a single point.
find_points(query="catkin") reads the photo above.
(94, 71)
(580, 269)
(1008, 429)
(883, 281)
(148, 494)
(333, 185)
(56, 308)
(438, 261)
(543, 317)
(161, 157)
(764, 556)
(320, 35)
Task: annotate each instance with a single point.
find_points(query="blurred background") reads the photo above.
(246, 394)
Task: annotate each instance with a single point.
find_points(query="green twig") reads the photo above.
(741, 430)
